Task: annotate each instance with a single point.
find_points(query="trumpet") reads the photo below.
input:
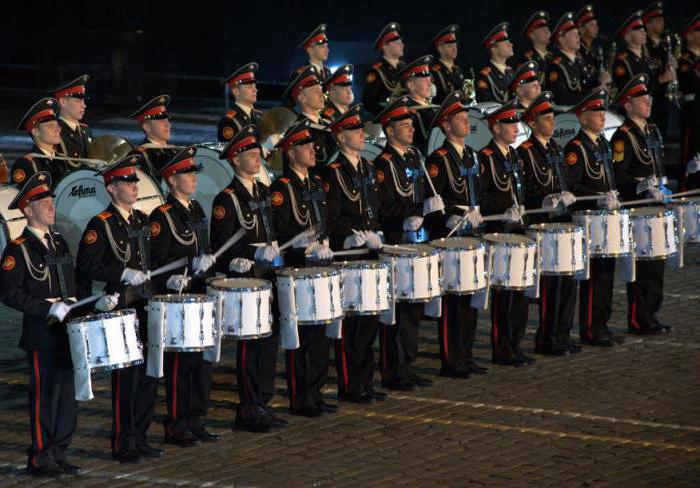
(673, 52)
(468, 88)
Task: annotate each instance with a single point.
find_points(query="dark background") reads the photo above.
(135, 50)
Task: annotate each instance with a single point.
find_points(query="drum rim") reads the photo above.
(442, 243)
(601, 211)
(184, 298)
(363, 264)
(424, 251)
(264, 284)
(112, 367)
(530, 242)
(643, 212)
(102, 315)
(328, 271)
(683, 201)
(557, 228)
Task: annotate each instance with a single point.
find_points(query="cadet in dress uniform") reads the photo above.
(589, 172)
(243, 85)
(502, 192)
(315, 45)
(447, 76)
(179, 228)
(544, 185)
(492, 81)
(595, 49)
(525, 84)
(41, 123)
(567, 76)
(660, 51)
(538, 34)
(154, 121)
(454, 170)
(299, 204)
(307, 92)
(402, 208)
(245, 204)
(352, 200)
(381, 81)
(75, 135)
(418, 82)
(639, 173)
(689, 86)
(338, 88)
(37, 278)
(114, 249)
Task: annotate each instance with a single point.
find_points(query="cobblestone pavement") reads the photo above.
(628, 416)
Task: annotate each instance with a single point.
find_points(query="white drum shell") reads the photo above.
(366, 287)
(561, 248)
(245, 306)
(12, 222)
(512, 261)
(187, 321)
(317, 292)
(610, 233)
(463, 265)
(417, 274)
(654, 231)
(691, 219)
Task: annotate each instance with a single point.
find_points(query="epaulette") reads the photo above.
(82, 124)
(436, 67)
(284, 180)
(527, 144)
(228, 190)
(441, 151)
(624, 128)
(165, 207)
(485, 70)
(231, 114)
(28, 157)
(18, 241)
(621, 55)
(334, 165)
(385, 156)
(487, 151)
(141, 149)
(377, 65)
(577, 142)
(529, 53)
(105, 215)
(556, 60)
(329, 111)
(257, 111)
(317, 177)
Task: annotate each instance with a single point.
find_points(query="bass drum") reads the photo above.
(82, 194)
(479, 135)
(566, 126)
(12, 222)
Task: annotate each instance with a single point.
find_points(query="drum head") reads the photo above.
(149, 194)
(415, 250)
(649, 212)
(436, 139)
(457, 243)
(12, 222)
(553, 227)
(308, 272)
(238, 284)
(509, 239)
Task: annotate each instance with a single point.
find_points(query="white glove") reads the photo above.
(319, 251)
(647, 184)
(59, 310)
(453, 221)
(412, 223)
(693, 165)
(178, 282)
(433, 204)
(305, 241)
(267, 253)
(240, 265)
(354, 240)
(271, 141)
(551, 201)
(656, 194)
(514, 214)
(610, 201)
(567, 198)
(200, 264)
(133, 277)
(374, 242)
(107, 302)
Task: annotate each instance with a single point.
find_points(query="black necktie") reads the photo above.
(131, 220)
(306, 183)
(256, 196)
(49, 243)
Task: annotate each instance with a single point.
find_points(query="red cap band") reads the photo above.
(592, 105)
(533, 112)
(524, 76)
(131, 170)
(445, 39)
(172, 169)
(319, 39)
(420, 69)
(390, 37)
(344, 78)
(536, 25)
(397, 112)
(345, 123)
(38, 117)
(657, 12)
(310, 80)
(449, 111)
(498, 36)
(238, 147)
(73, 90)
(632, 92)
(635, 24)
(249, 76)
(508, 114)
(150, 112)
(587, 17)
(287, 143)
(31, 194)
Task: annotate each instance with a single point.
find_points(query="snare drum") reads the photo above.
(366, 287)
(691, 217)
(561, 248)
(512, 261)
(463, 267)
(244, 306)
(654, 231)
(187, 321)
(316, 293)
(610, 233)
(416, 271)
(110, 339)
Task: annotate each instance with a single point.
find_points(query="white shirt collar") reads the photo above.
(40, 234)
(312, 117)
(245, 108)
(247, 184)
(70, 124)
(123, 212)
(47, 152)
(544, 142)
(354, 161)
(154, 142)
(185, 203)
(460, 149)
(499, 66)
(301, 176)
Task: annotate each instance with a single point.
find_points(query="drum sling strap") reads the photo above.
(263, 207)
(313, 195)
(363, 183)
(555, 160)
(471, 175)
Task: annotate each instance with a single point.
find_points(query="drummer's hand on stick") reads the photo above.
(178, 282)
(412, 223)
(240, 265)
(356, 239)
(567, 198)
(107, 303)
(693, 165)
(514, 214)
(433, 204)
(609, 201)
(656, 194)
(59, 310)
(266, 253)
(455, 221)
(133, 277)
(200, 264)
(374, 241)
(550, 202)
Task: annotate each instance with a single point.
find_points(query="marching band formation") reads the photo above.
(524, 196)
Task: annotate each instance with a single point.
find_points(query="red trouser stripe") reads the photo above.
(633, 311)
(37, 407)
(344, 360)
(445, 342)
(173, 401)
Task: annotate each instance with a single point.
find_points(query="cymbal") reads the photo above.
(373, 130)
(109, 147)
(275, 121)
(274, 162)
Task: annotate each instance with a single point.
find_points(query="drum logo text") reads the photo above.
(83, 192)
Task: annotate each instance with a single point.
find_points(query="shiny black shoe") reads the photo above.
(71, 469)
(380, 396)
(149, 452)
(257, 425)
(311, 412)
(274, 420)
(667, 328)
(363, 397)
(327, 407)
(601, 342)
(53, 471)
(404, 385)
(182, 440)
(474, 368)
(455, 373)
(130, 456)
(420, 381)
(651, 330)
(574, 348)
(204, 435)
(515, 361)
(527, 359)
(553, 351)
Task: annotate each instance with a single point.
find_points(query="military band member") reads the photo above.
(41, 123)
(245, 204)
(538, 34)
(525, 84)
(338, 88)
(589, 172)
(447, 75)
(307, 93)
(75, 135)
(659, 49)
(418, 83)
(501, 192)
(154, 121)
(544, 185)
(179, 228)
(243, 85)
(568, 77)
(403, 206)
(689, 86)
(454, 170)
(595, 50)
(381, 81)
(352, 200)
(315, 45)
(37, 278)
(493, 79)
(114, 249)
(299, 204)
(639, 173)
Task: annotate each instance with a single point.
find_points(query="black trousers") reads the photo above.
(557, 306)
(53, 409)
(354, 354)
(187, 388)
(456, 331)
(509, 311)
(399, 343)
(256, 366)
(645, 295)
(307, 367)
(595, 299)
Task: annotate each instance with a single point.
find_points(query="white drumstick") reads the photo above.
(85, 301)
(168, 267)
(230, 242)
(182, 283)
(352, 252)
(298, 237)
(98, 162)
